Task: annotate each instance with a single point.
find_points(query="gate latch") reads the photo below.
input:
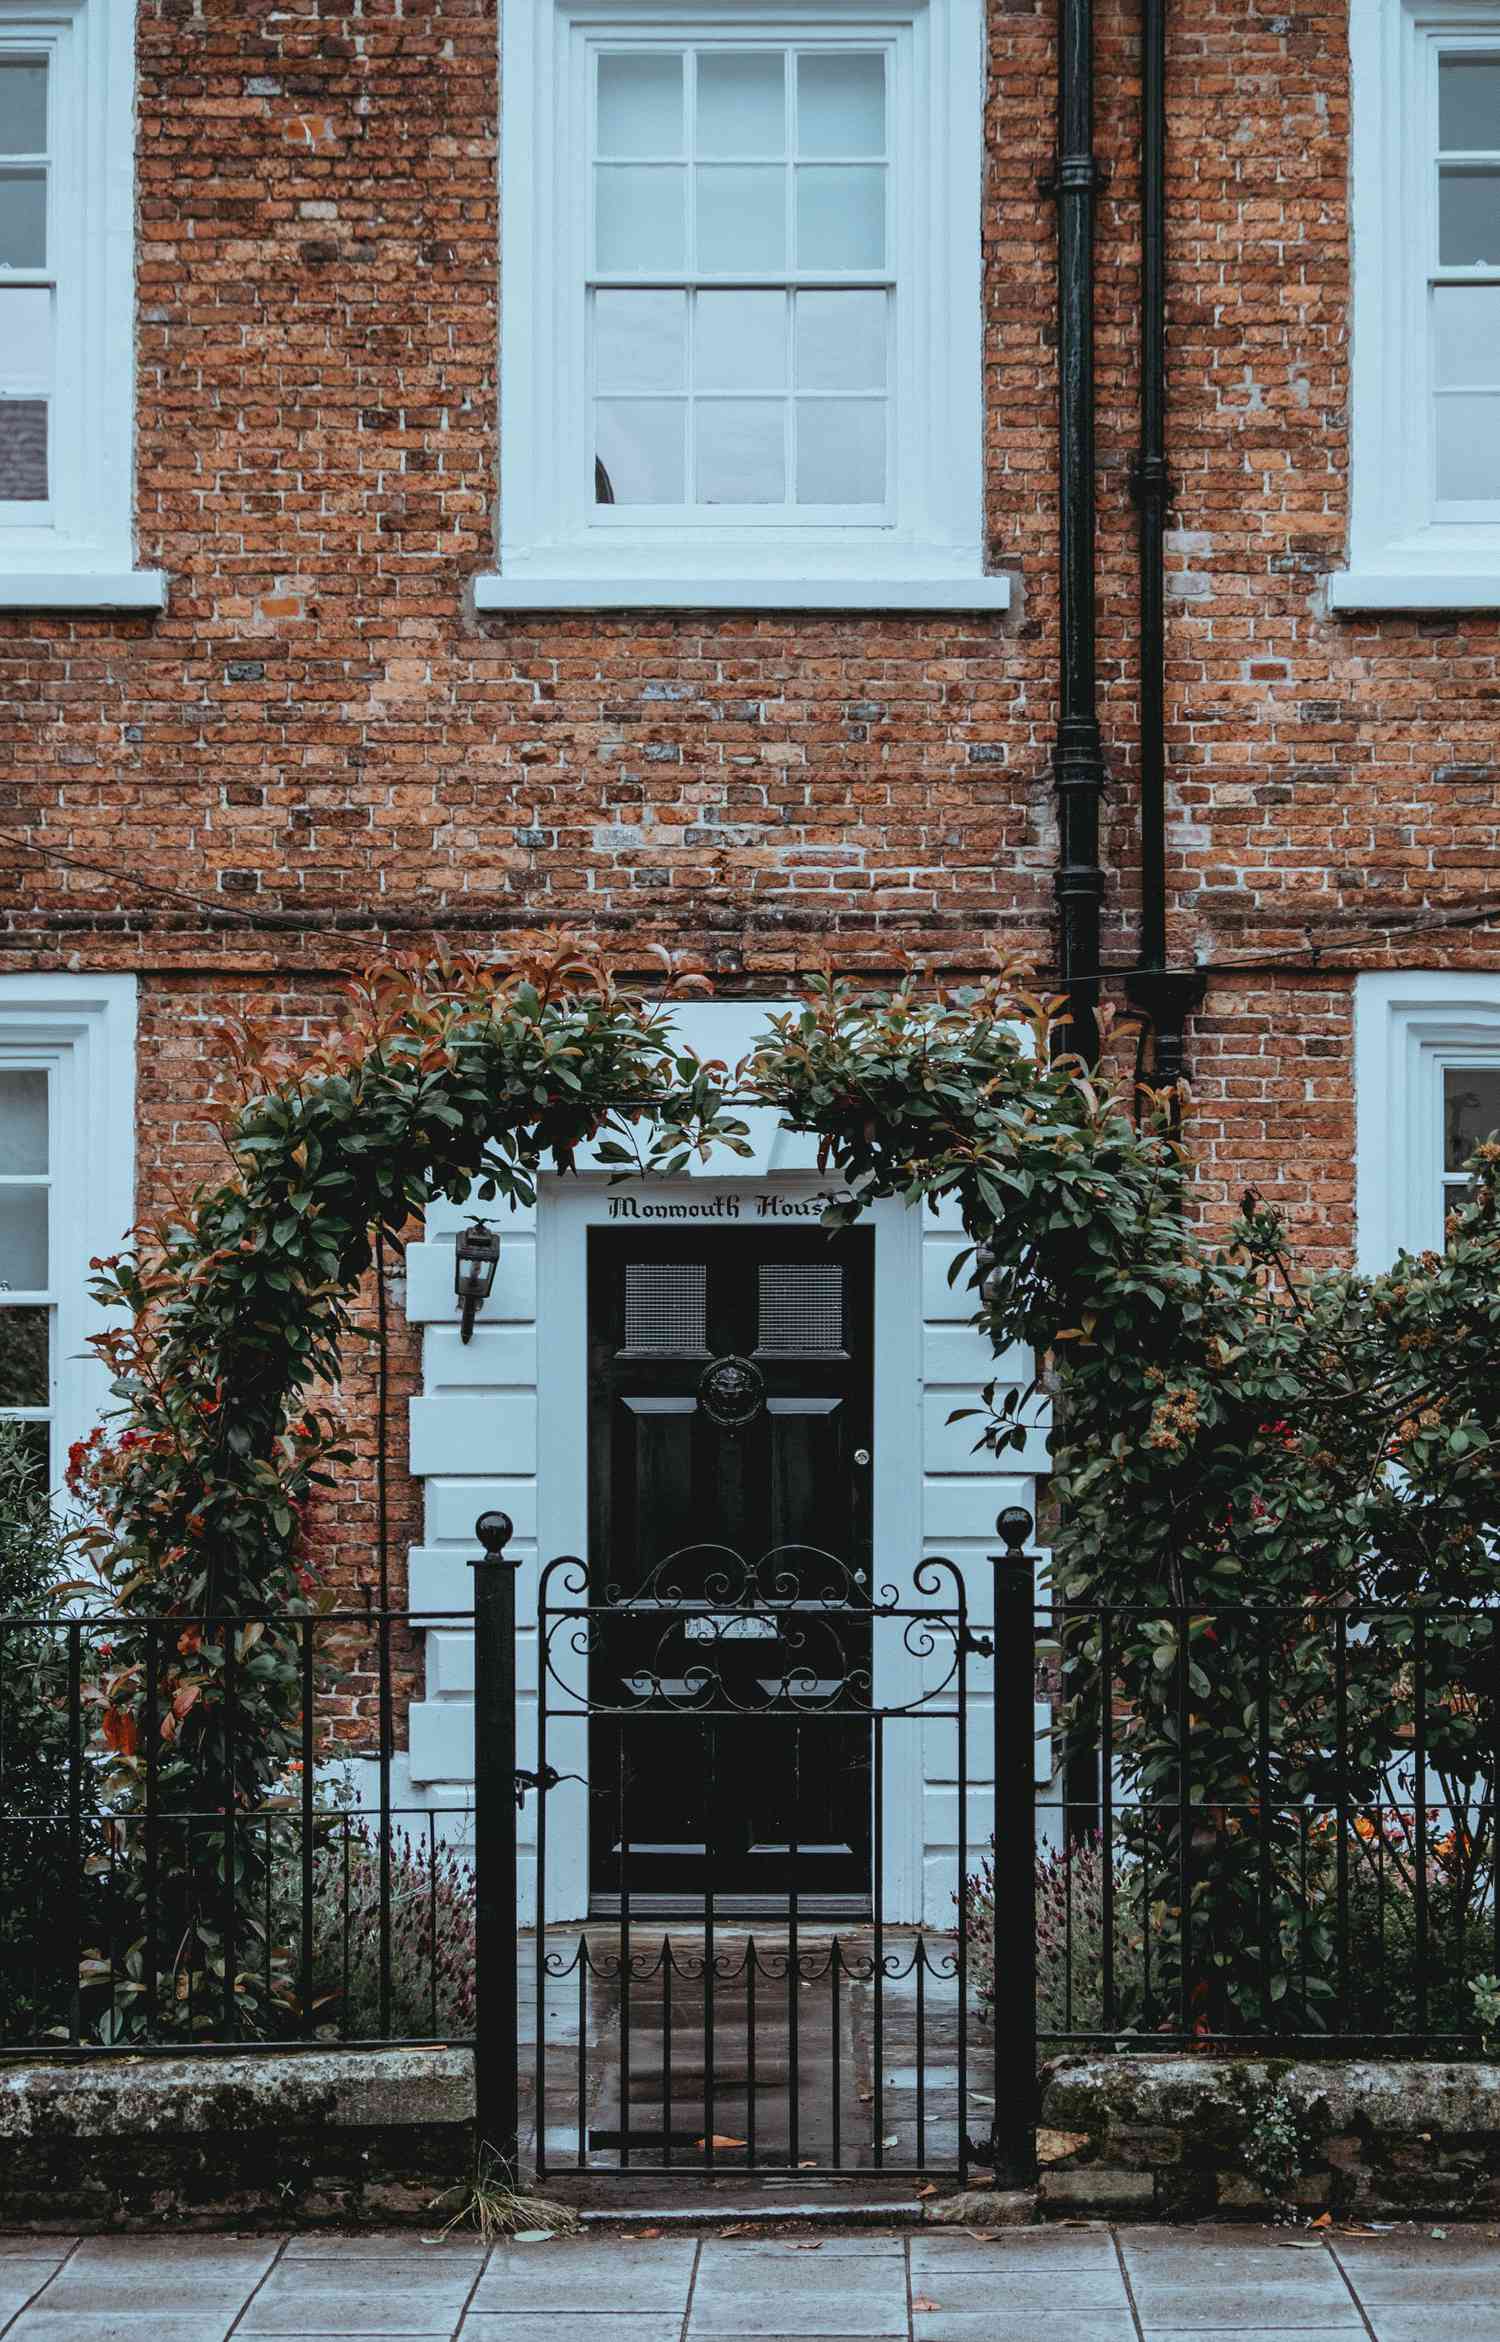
(977, 1646)
(546, 1779)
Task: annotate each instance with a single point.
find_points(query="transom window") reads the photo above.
(1465, 286)
(740, 302)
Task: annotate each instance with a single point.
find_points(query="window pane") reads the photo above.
(741, 451)
(1471, 1110)
(23, 108)
(640, 446)
(841, 104)
(23, 1123)
(741, 102)
(1468, 103)
(741, 219)
(640, 104)
(23, 219)
(25, 337)
(840, 451)
(23, 450)
(841, 341)
(841, 218)
(1466, 336)
(23, 1239)
(23, 1357)
(640, 341)
(1468, 445)
(740, 341)
(641, 220)
(1469, 218)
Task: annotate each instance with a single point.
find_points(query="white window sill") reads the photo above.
(83, 589)
(494, 591)
(1414, 589)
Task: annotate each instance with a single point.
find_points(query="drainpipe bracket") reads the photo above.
(1151, 481)
(1166, 997)
(1077, 174)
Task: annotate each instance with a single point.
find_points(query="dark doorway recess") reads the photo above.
(730, 1467)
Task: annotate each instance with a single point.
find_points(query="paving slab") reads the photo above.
(129, 2274)
(589, 2275)
(1003, 2324)
(738, 2291)
(1437, 2322)
(19, 2280)
(532, 2326)
(1064, 2250)
(364, 2297)
(22, 2246)
(399, 2244)
(34, 2325)
(1040, 2292)
(1466, 2285)
(1213, 2300)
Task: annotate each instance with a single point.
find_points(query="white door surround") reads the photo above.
(503, 1421)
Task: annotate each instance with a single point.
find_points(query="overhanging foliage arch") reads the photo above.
(1233, 1421)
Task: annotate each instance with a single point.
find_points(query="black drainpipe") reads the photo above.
(1078, 761)
(1167, 997)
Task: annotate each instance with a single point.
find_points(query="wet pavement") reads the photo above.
(841, 2050)
(1072, 2283)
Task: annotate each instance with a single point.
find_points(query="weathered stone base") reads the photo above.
(1182, 2137)
(275, 2140)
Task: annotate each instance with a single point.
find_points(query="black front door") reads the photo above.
(730, 1405)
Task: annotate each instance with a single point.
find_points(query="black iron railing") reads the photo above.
(174, 1876)
(1292, 1835)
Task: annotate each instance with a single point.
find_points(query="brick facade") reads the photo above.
(317, 753)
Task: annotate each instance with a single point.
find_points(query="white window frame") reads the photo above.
(81, 1031)
(1401, 556)
(929, 553)
(1409, 1029)
(81, 555)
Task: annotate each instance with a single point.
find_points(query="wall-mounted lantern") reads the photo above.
(476, 1256)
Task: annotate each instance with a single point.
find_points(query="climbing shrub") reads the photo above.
(1228, 1431)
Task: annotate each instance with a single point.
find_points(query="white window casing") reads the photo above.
(1416, 1035)
(1425, 369)
(901, 529)
(69, 1040)
(67, 259)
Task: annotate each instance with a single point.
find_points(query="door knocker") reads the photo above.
(731, 1392)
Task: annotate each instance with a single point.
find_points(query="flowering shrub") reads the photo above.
(1070, 1941)
(432, 1938)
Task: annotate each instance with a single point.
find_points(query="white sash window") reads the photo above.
(740, 336)
(67, 253)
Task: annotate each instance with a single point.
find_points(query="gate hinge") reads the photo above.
(977, 1646)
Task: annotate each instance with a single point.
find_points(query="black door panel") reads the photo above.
(729, 1508)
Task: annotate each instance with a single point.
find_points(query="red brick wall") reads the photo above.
(315, 754)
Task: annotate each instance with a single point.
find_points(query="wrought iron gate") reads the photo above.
(693, 2027)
